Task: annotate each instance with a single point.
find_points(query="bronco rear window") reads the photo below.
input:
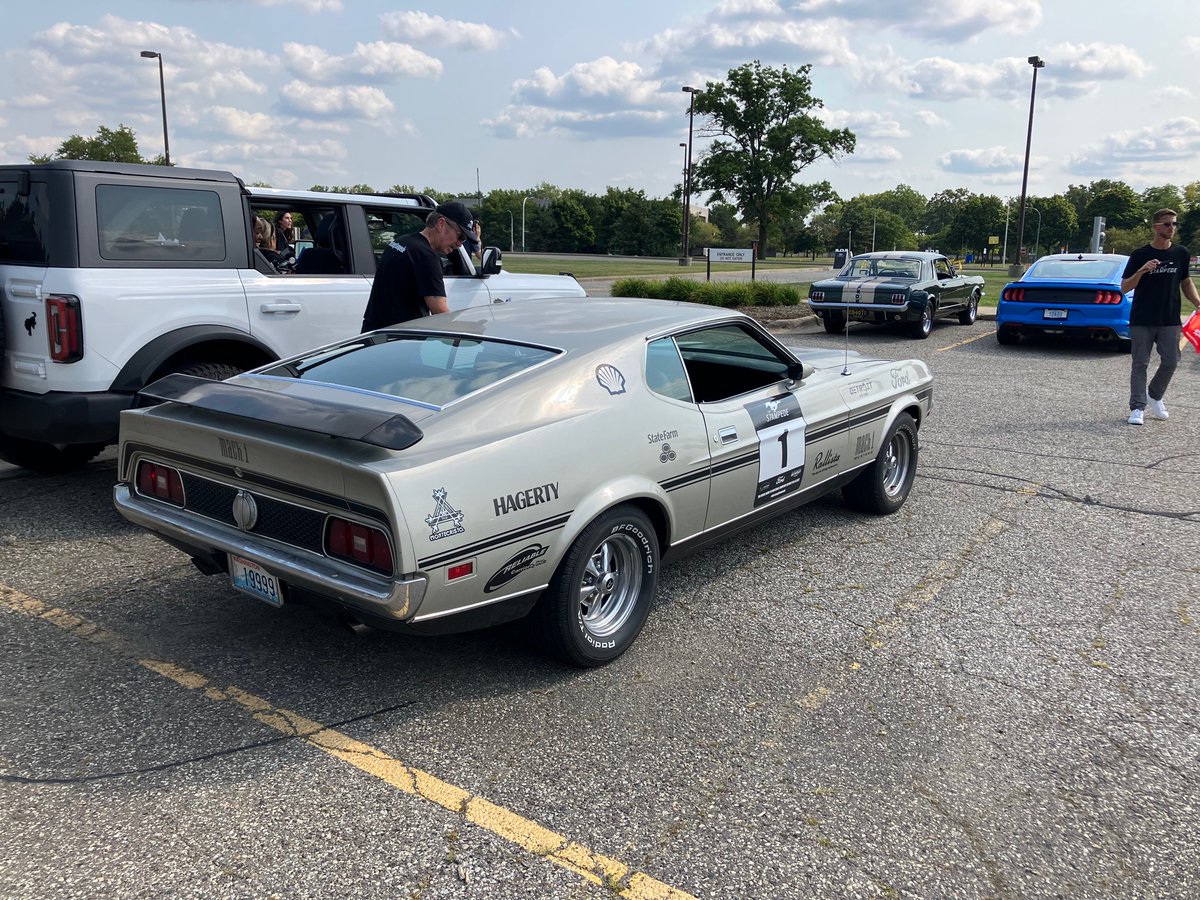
(24, 224)
(433, 370)
(154, 223)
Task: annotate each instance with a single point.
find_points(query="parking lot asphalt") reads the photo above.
(993, 693)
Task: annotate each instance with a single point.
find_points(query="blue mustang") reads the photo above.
(1067, 293)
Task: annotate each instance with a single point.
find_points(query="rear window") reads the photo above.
(24, 224)
(428, 369)
(155, 223)
(1079, 269)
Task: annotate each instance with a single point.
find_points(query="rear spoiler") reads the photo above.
(392, 432)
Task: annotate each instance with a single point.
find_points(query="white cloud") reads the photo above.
(357, 102)
(603, 83)
(377, 61)
(520, 122)
(1173, 94)
(430, 30)
(931, 119)
(1177, 140)
(864, 123)
(817, 42)
(874, 152)
(951, 20)
(976, 162)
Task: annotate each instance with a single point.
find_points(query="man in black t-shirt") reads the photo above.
(1158, 271)
(408, 281)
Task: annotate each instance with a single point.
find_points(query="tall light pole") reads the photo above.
(687, 178)
(683, 197)
(1036, 62)
(511, 235)
(523, 202)
(1037, 238)
(162, 89)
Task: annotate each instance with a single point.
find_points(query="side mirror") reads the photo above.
(492, 261)
(797, 371)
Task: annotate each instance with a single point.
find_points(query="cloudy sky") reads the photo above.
(586, 95)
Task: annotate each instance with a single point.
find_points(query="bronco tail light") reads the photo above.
(161, 482)
(65, 332)
(1108, 297)
(359, 544)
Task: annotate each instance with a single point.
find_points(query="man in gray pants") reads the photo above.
(1158, 271)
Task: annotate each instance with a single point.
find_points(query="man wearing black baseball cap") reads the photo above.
(408, 281)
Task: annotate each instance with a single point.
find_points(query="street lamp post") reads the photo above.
(1037, 63)
(687, 179)
(162, 89)
(511, 233)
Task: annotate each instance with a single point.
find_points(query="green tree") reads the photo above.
(863, 226)
(725, 217)
(1119, 205)
(107, 145)
(942, 209)
(1059, 224)
(764, 137)
(905, 202)
(1165, 196)
(573, 231)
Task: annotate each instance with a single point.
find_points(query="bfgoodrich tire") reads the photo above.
(599, 597)
(883, 486)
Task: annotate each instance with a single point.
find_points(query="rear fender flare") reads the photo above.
(198, 343)
(647, 495)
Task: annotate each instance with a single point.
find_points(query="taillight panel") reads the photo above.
(65, 330)
(160, 482)
(363, 545)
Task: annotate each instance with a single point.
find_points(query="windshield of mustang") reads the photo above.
(428, 369)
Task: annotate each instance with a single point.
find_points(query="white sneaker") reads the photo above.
(1158, 409)
(1135, 417)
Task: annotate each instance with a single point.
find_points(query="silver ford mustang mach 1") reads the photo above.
(536, 459)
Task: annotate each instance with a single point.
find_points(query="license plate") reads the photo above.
(1054, 314)
(251, 578)
(859, 314)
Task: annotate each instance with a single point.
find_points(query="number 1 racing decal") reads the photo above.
(780, 427)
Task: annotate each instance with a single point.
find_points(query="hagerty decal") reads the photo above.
(528, 558)
(534, 496)
(445, 521)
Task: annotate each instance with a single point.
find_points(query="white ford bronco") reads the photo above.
(113, 275)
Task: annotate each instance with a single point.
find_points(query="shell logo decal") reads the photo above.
(610, 378)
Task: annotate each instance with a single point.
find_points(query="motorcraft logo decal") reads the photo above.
(445, 521)
(528, 558)
(534, 496)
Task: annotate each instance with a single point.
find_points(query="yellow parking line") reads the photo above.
(971, 340)
(503, 823)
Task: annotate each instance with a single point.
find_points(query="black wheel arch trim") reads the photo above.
(142, 366)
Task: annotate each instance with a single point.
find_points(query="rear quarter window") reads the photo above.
(24, 224)
(156, 223)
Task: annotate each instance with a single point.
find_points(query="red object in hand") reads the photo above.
(1191, 331)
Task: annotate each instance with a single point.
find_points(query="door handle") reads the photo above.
(280, 308)
(727, 435)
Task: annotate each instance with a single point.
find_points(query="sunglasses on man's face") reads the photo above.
(1168, 224)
